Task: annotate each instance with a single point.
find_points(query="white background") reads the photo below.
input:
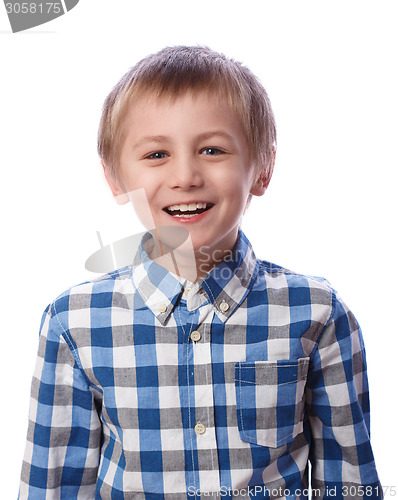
(330, 210)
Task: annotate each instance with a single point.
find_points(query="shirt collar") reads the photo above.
(225, 286)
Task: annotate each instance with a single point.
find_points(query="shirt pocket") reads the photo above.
(270, 400)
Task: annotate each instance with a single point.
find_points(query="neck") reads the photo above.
(184, 261)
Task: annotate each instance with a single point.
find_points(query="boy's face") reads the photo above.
(185, 152)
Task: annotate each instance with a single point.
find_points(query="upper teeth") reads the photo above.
(184, 207)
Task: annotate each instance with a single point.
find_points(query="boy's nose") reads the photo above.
(185, 173)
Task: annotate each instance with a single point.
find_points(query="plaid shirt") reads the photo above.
(150, 387)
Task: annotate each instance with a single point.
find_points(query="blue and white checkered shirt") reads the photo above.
(150, 387)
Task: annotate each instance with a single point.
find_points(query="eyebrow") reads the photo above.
(164, 138)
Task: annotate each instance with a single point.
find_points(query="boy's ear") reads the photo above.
(119, 193)
(261, 183)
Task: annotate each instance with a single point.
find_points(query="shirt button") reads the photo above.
(187, 290)
(200, 429)
(224, 306)
(196, 336)
(162, 308)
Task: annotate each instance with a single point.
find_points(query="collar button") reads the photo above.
(224, 306)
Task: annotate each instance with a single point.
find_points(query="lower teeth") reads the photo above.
(185, 215)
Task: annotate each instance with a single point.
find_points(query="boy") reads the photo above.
(214, 376)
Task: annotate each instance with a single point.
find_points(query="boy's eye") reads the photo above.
(157, 155)
(212, 151)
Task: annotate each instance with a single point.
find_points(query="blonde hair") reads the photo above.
(172, 72)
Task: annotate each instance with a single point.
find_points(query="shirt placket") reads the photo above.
(199, 360)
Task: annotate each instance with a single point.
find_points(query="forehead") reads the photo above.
(192, 109)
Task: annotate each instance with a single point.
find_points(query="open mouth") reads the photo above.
(188, 210)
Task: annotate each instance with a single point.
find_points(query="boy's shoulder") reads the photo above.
(97, 292)
(290, 288)
(275, 271)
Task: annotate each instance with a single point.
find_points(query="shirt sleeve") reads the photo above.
(64, 433)
(337, 400)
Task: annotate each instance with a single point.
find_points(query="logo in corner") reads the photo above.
(25, 15)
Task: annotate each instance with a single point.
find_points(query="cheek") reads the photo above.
(140, 190)
(134, 180)
(140, 200)
(231, 184)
